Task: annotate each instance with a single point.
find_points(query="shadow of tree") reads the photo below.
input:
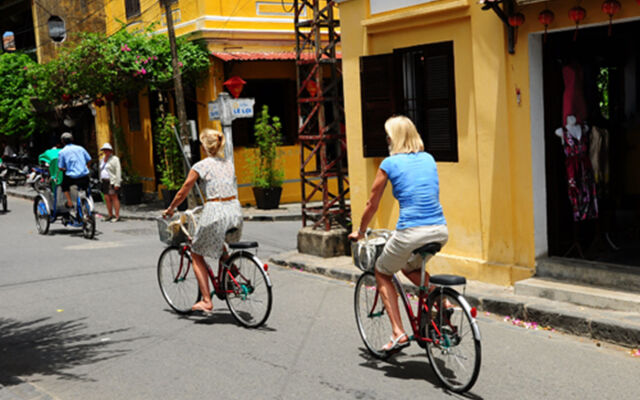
(50, 348)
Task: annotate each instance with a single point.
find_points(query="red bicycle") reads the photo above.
(444, 322)
(242, 279)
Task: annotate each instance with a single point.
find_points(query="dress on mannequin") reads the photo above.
(581, 182)
(573, 102)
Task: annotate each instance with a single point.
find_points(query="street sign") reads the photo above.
(240, 108)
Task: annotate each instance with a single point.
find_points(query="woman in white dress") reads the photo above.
(221, 213)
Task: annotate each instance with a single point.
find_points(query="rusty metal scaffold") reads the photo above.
(321, 114)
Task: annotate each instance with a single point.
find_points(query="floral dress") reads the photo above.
(218, 180)
(581, 182)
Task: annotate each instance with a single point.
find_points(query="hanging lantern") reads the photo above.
(546, 18)
(516, 20)
(312, 88)
(234, 85)
(610, 7)
(577, 14)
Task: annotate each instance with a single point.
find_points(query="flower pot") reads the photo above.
(167, 198)
(131, 193)
(267, 198)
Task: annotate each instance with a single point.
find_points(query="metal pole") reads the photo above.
(177, 76)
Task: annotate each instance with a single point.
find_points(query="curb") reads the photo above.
(557, 315)
(127, 215)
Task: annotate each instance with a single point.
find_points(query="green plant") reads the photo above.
(171, 164)
(129, 175)
(16, 114)
(266, 173)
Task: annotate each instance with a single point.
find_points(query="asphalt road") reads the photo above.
(84, 319)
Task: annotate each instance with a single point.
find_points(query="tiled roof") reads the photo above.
(261, 56)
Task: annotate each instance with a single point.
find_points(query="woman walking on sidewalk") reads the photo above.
(414, 179)
(221, 213)
(110, 179)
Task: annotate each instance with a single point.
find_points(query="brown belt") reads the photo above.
(222, 199)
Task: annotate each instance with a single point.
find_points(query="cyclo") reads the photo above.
(49, 203)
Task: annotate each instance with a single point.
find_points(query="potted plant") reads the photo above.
(267, 174)
(131, 188)
(171, 163)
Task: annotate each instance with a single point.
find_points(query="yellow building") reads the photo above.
(253, 40)
(491, 116)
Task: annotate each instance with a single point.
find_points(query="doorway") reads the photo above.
(597, 78)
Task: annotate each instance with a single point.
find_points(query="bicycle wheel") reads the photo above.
(454, 353)
(88, 220)
(247, 290)
(42, 215)
(372, 319)
(178, 285)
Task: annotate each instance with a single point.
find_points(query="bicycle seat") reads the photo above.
(447, 280)
(432, 248)
(243, 245)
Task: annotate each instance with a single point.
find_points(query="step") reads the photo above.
(584, 295)
(618, 277)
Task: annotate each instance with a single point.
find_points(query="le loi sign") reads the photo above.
(238, 108)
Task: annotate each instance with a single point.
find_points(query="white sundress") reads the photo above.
(218, 180)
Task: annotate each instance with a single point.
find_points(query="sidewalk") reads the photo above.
(152, 210)
(618, 327)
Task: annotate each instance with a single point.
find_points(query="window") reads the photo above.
(57, 30)
(132, 8)
(419, 83)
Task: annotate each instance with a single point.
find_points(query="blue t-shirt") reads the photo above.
(74, 159)
(414, 178)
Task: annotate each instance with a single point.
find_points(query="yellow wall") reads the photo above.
(486, 196)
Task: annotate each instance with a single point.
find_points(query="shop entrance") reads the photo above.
(595, 79)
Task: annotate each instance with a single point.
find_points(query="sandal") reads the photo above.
(395, 344)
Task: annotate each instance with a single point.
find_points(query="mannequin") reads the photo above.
(572, 128)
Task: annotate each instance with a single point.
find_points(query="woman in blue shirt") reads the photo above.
(414, 180)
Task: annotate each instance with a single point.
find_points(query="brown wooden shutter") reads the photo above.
(439, 130)
(377, 89)
(132, 8)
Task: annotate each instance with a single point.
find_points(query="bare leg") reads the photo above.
(116, 204)
(107, 199)
(390, 299)
(414, 276)
(68, 196)
(200, 269)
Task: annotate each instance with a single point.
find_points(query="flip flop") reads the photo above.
(200, 308)
(396, 345)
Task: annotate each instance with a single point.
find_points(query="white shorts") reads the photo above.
(397, 253)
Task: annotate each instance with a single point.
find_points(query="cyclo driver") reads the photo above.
(73, 161)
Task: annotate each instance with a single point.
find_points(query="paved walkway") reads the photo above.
(618, 327)
(152, 210)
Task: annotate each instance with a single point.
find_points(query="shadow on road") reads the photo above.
(217, 318)
(409, 369)
(50, 348)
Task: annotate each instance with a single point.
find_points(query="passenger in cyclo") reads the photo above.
(221, 213)
(414, 180)
(73, 161)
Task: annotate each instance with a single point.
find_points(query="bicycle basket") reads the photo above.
(169, 231)
(366, 252)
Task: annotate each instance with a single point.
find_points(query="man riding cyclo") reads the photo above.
(73, 161)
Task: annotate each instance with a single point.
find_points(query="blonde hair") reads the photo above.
(403, 135)
(213, 142)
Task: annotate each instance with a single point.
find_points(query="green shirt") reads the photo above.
(51, 157)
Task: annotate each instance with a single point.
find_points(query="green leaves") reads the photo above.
(16, 115)
(110, 68)
(264, 167)
(171, 165)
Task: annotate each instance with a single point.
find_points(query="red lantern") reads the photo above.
(610, 7)
(516, 20)
(66, 97)
(234, 85)
(98, 102)
(546, 18)
(577, 14)
(312, 88)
